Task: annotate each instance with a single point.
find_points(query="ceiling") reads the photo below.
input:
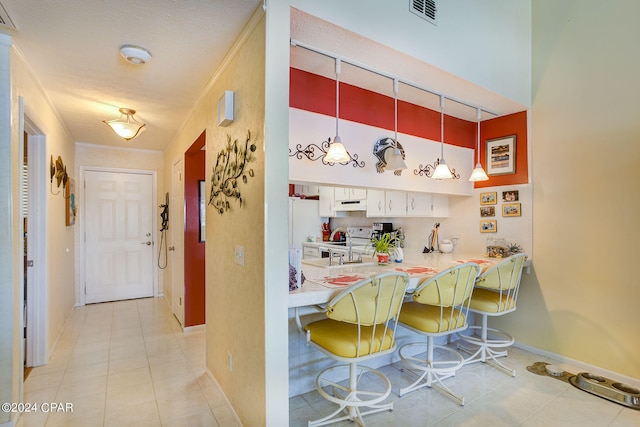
(424, 83)
(73, 47)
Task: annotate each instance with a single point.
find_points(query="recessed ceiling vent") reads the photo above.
(5, 20)
(425, 9)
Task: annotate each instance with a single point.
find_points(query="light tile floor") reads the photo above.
(492, 398)
(127, 363)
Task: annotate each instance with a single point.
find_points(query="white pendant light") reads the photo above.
(394, 158)
(442, 170)
(337, 153)
(478, 173)
(126, 126)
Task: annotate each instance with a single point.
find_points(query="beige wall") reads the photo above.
(60, 249)
(583, 294)
(235, 294)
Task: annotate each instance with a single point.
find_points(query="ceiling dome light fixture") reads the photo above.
(126, 126)
(135, 54)
(478, 173)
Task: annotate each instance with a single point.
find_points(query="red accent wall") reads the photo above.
(317, 94)
(513, 124)
(194, 250)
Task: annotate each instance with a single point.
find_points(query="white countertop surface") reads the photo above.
(322, 284)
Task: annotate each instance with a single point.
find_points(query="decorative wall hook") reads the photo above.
(315, 152)
(429, 169)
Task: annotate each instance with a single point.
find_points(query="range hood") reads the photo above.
(350, 205)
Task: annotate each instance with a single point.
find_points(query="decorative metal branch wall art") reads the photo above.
(59, 171)
(231, 167)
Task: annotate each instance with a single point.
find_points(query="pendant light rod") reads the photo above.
(297, 43)
(338, 62)
(478, 117)
(441, 127)
(395, 109)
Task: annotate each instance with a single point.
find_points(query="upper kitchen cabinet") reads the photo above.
(427, 205)
(344, 194)
(327, 206)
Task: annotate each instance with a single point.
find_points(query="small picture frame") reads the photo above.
(488, 226)
(510, 196)
(501, 155)
(488, 198)
(486, 211)
(511, 209)
(202, 210)
(70, 206)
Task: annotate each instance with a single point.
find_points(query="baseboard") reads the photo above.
(194, 328)
(233, 410)
(585, 367)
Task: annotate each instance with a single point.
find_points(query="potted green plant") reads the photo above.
(382, 246)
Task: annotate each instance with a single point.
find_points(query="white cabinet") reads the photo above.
(427, 205)
(440, 206)
(346, 194)
(386, 203)
(327, 206)
(310, 252)
(375, 203)
(395, 203)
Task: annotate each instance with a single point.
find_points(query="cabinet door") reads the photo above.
(419, 204)
(325, 207)
(440, 206)
(375, 203)
(395, 203)
(342, 194)
(358, 194)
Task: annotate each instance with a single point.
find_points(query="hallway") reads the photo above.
(127, 363)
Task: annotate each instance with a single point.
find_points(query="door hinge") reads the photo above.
(29, 263)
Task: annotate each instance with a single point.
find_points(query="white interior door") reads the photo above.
(176, 230)
(119, 243)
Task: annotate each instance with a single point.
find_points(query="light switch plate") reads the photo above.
(239, 255)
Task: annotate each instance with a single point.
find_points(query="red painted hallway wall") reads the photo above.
(194, 250)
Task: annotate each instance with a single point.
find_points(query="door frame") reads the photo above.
(81, 283)
(176, 232)
(37, 312)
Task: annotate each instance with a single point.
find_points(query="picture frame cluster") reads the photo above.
(510, 207)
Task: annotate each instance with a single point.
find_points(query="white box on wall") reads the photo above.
(225, 108)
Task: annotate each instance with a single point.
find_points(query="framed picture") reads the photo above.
(488, 226)
(70, 202)
(486, 211)
(510, 196)
(501, 155)
(488, 198)
(203, 210)
(511, 209)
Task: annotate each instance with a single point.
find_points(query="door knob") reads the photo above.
(172, 248)
(146, 243)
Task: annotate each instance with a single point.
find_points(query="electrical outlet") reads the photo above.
(239, 255)
(230, 361)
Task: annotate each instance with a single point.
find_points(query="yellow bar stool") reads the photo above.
(496, 294)
(439, 307)
(359, 326)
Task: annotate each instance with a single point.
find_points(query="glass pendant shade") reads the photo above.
(126, 126)
(337, 153)
(478, 174)
(394, 160)
(442, 171)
